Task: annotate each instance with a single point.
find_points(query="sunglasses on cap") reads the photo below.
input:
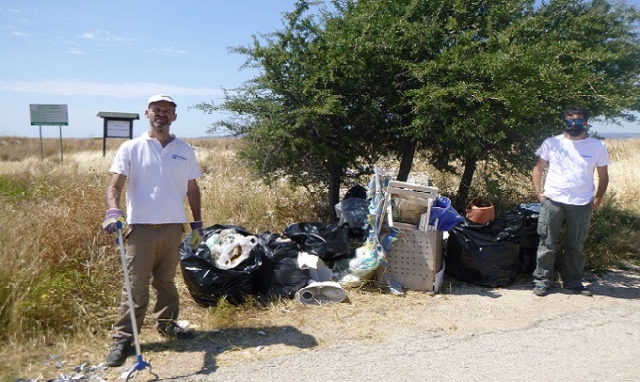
(577, 121)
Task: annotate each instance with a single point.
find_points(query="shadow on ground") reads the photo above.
(214, 343)
(614, 283)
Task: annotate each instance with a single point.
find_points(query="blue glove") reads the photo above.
(110, 223)
(197, 234)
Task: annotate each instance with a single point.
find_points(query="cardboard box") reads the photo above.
(415, 260)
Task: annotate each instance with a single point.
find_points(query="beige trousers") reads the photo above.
(152, 254)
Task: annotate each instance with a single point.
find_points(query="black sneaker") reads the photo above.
(118, 354)
(173, 330)
(581, 290)
(540, 290)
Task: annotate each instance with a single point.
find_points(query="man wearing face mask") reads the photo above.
(568, 198)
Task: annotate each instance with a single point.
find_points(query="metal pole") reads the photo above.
(61, 156)
(104, 137)
(41, 149)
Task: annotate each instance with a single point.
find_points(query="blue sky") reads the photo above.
(111, 56)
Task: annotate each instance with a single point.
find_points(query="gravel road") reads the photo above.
(471, 333)
(597, 344)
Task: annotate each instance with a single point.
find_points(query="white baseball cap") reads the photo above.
(161, 97)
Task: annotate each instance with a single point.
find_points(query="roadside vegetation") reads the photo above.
(61, 274)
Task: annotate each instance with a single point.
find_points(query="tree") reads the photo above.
(302, 117)
(464, 82)
(504, 75)
(494, 75)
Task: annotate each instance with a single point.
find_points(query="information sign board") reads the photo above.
(42, 115)
(118, 128)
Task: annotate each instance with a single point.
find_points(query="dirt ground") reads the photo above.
(370, 318)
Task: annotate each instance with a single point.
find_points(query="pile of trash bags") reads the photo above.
(307, 261)
(232, 263)
(494, 252)
(312, 261)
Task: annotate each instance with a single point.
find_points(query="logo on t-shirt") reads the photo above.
(178, 157)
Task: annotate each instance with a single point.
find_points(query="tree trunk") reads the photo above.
(462, 196)
(335, 178)
(408, 152)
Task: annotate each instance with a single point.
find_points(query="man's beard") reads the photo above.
(160, 125)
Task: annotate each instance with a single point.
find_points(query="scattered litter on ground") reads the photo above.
(82, 372)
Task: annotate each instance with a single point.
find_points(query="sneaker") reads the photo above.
(173, 330)
(540, 290)
(581, 290)
(118, 354)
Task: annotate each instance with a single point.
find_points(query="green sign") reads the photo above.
(42, 115)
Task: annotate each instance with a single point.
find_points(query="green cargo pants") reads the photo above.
(576, 221)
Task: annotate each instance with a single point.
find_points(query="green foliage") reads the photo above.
(465, 81)
(614, 236)
(62, 298)
(300, 118)
(500, 79)
(21, 187)
(503, 194)
(225, 315)
(12, 190)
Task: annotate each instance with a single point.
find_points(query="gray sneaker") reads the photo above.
(581, 290)
(540, 290)
(173, 330)
(118, 354)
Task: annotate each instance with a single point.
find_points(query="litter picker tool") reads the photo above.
(140, 363)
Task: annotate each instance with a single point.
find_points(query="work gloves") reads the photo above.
(114, 215)
(110, 223)
(197, 234)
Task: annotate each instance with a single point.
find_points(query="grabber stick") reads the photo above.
(140, 363)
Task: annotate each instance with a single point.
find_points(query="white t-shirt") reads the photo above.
(571, 167)
(157, 179)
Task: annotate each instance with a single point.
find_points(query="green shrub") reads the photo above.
(614, 236)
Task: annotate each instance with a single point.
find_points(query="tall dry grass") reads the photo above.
(61, 275)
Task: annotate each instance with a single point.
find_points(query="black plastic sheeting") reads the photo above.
(207, 283)
(329, 242)
(492, 254)
(279, 274)
(271, 268)
(354, 212)
(527, 236)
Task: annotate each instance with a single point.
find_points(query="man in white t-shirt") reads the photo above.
(161, 171)
(568, 199)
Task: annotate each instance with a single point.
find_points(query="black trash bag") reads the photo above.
(329, 242)
(207, 283)
(358, 191)
(279, 274)
(483, 254)
(353, 212)
(527, 235)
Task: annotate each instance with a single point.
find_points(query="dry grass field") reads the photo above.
(61, 275)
